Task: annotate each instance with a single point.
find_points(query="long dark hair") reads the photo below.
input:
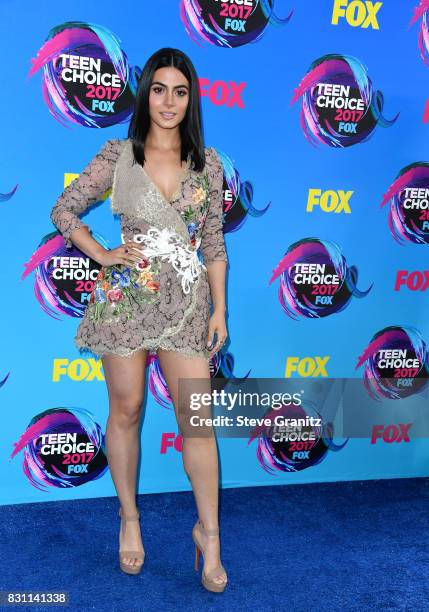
(190, 128)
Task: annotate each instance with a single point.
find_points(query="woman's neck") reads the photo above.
(160, 139)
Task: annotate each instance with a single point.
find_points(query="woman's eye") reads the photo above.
(181, 92)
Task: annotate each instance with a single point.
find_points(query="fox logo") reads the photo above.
(358, 14)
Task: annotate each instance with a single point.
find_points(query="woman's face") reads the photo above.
(168, 97)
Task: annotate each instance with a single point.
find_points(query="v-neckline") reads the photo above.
(176, 192)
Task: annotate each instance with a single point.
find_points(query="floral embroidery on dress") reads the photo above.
(118, 288)
(194, 216)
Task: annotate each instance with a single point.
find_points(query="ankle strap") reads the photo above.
(209, 532)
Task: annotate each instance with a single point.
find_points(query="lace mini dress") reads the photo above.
(164, 302)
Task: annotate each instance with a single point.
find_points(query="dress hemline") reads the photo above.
(126, 352)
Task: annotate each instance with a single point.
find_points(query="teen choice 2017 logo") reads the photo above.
(409, 204)
(228, 23)
(422, 12)
(315, 280)
(64, 277)
(339, 106)
(63, 448)
(303, 443)
(396, 363)
(86, 76)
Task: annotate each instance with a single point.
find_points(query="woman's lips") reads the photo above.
(168, 115)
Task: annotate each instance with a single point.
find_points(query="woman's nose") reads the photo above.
(170, 99)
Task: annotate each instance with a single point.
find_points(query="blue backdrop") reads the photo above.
(261, 135)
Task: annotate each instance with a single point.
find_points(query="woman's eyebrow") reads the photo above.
(164, 85)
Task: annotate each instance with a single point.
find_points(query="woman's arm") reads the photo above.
(214, 252)
(88, 188)
(212, 239)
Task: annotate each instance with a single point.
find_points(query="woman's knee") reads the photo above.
(125, 411)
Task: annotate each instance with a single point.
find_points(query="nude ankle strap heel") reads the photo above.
(130, 554)
(207, 580)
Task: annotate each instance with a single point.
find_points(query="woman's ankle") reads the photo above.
(210, 526)
(129, 509)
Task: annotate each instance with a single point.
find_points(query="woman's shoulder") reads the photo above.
(113, 148)
(212, 156)
(209, 151)
(117, 144)
(213, 165)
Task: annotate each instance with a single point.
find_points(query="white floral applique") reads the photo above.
(167, 245)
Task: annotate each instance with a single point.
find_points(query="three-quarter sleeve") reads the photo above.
(88, 188)
(212, 238)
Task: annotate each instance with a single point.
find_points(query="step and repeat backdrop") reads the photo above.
(319, 111)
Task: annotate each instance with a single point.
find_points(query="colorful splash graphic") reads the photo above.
(156, 382)
(86, 76)
(64, 278)
(228, 24)
(297, 447)
(339, 107)
(221, 366)
(63, 448)
(4, 197)
(3, 382)
(409, 204)
(238, 198)
(397, 363)
(315, 280)
(422, 12)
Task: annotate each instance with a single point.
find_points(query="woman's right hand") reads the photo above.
(129, 253)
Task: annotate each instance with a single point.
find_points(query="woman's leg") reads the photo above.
(200, 457)
(125, 379)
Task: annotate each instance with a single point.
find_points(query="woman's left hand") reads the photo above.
(217, 324)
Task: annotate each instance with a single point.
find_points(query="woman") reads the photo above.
(154, 292)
